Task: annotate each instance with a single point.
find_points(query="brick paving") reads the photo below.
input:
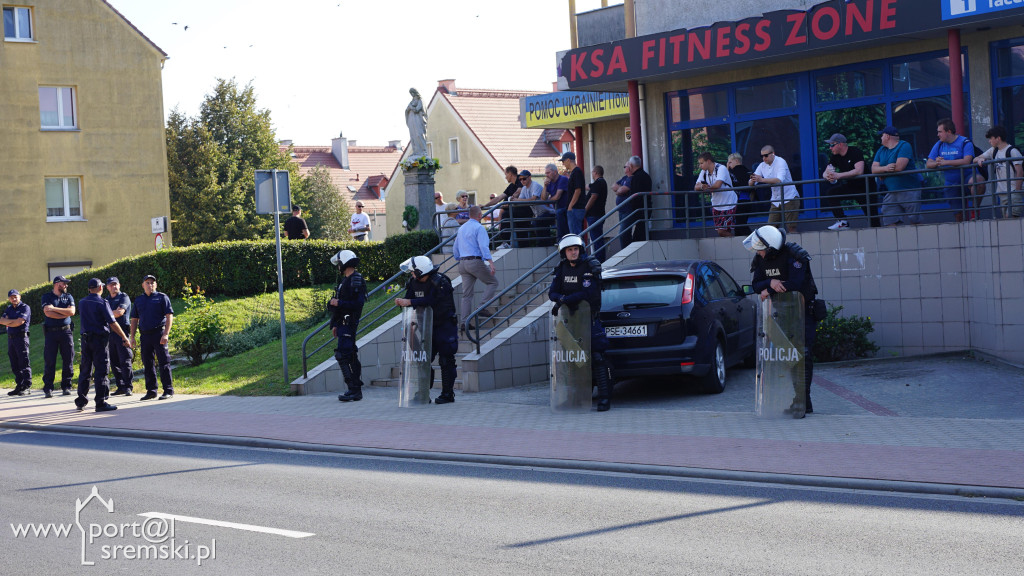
(885, 429)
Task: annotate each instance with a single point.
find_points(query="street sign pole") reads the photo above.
(280, 275)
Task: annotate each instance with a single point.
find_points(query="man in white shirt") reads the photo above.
(544, 214)
(360, 224)
(785, 198)
(713, 178)
(1008, 182)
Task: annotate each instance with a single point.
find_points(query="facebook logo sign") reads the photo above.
(963, 8)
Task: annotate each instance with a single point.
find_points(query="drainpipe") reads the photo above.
(590, 148)
(578, 134)
(635, 121)
(956, 81)
(573, 40)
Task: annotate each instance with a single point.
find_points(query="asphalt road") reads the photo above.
(363, 515)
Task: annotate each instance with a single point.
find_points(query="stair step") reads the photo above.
(396, 382)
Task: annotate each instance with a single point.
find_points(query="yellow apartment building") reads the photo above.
(83, 163)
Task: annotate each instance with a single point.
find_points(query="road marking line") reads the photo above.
(235, 525)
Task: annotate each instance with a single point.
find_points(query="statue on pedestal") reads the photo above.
(416, 120)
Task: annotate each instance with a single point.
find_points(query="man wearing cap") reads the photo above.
(97, 324)
(845, 164)
(58, 308)
(576, 206)
(902, 201)
(543, 214)
(120, 356)
(295, 226)
(152, 317)
(16, 318)
(360, 223)
(556, 190)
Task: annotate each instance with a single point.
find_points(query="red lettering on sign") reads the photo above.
(704, 49)
(887, 15)
(676, 41)
(742, 41)
(722, 43)
(863, 19)
(797, 22)
(816, 29)
(765, 39)
(648, 53)
(576, 70)
(595, 60)
(661, 52)
(618, 62)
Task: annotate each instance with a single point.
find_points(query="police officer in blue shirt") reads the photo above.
(152, 317)
(120, 356)
(58, 308)
(17, 317)
(97, 324)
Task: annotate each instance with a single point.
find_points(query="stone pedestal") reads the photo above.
(419, 192)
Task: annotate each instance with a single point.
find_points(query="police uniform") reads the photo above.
(571, 285)
(792, 266)
(58, 337)
(95, 317)
(351, 295)
(437, 292)
(17, 346)
(120, 355)
(151, 312)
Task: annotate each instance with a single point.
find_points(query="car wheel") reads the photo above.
(714, 381)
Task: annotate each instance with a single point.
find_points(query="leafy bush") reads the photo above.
(246, 268)
(843, 338)
(200, 330)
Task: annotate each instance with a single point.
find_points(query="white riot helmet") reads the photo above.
(418, 266)
(567, 241)
(345, 259)
(764, 238)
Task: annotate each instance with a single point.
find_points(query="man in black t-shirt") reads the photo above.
(575, 211)
(844, 165)
(521, 214)
(295, 227)
(597, 197)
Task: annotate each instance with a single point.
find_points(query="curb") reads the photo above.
(873, 485)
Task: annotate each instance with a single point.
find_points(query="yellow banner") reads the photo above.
(566, 109)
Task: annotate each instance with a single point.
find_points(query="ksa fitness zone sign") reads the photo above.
(825, 25)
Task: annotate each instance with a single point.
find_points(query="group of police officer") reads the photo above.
(107, 340)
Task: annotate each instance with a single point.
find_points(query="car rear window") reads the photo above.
(640, 292)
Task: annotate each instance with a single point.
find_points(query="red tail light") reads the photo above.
(688, 290)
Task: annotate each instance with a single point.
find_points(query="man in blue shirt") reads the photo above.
(58, 308)
(948, 153)
(16, 318)
(97, 324)
(152, 317)
(120, 356)
(474, 257)
(556, 190)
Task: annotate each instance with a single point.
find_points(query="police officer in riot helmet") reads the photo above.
(576, 278)
(781, 266)
(346, 308)
(429, 287)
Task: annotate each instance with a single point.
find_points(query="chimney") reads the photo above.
(285, 142)
(447, 86)
(397, 144)
(339, 149)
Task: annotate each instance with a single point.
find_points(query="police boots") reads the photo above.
(604, 383)
(354, 394)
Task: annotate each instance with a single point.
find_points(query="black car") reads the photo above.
(677, 317)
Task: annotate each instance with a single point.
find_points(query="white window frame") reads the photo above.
(67, 217)
(566, 147)
(17, 32)
(453, 150)
(60, 109)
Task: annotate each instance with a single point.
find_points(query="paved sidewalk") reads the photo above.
(940, 424)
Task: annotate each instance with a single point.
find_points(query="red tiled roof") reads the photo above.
(367, 166)
(493, 116)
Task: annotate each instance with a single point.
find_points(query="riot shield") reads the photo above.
(571, 384)
(417, 348)
(780, 357)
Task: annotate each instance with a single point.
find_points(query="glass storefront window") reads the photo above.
(920, 74)
(709, 105)
(675, 114)
(1010, 61)
(916, 120)
(770, 96)
(1011, 111)
(836, 86)
(860, 125)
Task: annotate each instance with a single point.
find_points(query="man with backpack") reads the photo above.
(950, 152)
(1008, 182)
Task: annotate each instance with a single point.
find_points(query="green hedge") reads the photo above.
(244, 268)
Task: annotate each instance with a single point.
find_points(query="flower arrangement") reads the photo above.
(421, 163)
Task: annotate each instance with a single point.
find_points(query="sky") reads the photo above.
(324, 67)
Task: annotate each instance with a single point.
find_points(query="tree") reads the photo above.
(326, 214)
(211, 159)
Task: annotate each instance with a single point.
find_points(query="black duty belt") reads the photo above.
(15, 332)
(66, 328)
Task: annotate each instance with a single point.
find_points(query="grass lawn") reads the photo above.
(258, 372)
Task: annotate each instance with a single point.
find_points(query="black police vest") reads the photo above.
(351, 295)
(580, 278)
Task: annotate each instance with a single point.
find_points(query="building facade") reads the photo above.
(84, 161)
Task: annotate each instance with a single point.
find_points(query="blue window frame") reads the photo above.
(1007, 57)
